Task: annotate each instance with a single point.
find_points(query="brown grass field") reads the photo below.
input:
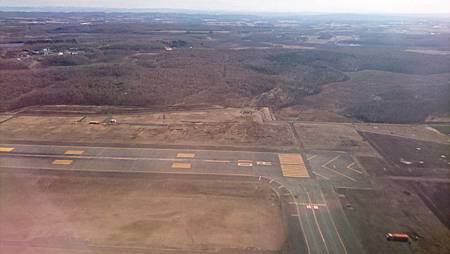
(83, 212)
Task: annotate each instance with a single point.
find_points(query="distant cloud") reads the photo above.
(395, 6)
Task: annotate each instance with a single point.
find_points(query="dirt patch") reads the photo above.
(78, 212)
(302, 113)
(4, 117)
(332, 137)
(194, 116)
(244, 133)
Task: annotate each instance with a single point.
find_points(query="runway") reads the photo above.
(308, 211)
(81, 158)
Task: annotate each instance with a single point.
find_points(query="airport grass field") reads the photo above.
(88, 212)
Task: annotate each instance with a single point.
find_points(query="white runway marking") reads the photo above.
(330, 161)
(245, 163)
(325, 166)
(334, 225)
(324, 177)
(217, 161)
(317, 224)
(350, 166)
(311, 157)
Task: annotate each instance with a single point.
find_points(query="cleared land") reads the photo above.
(151, 128)
(83, 212)
(333, 137)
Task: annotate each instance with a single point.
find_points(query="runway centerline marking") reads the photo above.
(74, 152)
(217, 161)
(186, 155)
(6, 149)
(62, 162)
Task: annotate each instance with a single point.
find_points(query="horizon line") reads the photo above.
(65, 9)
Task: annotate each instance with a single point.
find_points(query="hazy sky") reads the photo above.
(395, 6)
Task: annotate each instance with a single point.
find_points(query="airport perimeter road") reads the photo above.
(321, 232)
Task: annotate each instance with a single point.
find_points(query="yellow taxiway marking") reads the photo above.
(185, 155)
(245, 163)
(6, 149)
(74, 152)
(62, 162)
(292, 165)
(181, 165)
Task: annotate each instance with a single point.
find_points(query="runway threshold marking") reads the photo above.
(180, 165)
(6, 149)
(74, 152)
(186, 155)
(62, 162)
(292, 165)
